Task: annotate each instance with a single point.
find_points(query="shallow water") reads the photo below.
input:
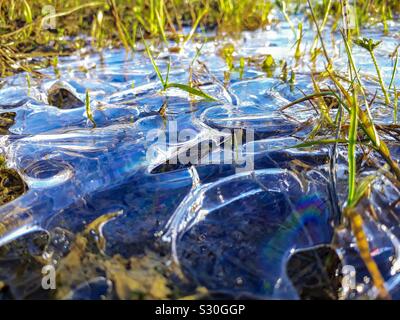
(228, 230)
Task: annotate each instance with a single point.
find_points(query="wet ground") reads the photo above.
(107, 207)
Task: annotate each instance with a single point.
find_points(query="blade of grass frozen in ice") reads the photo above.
(197, 55)
(166, 84)
(89, 113)
(316, 143)
(168, 71)
(362, 188)
(352, 136)
(191, 90)
(357, 226)
(306, 98)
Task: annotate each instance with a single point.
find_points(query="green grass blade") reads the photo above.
(155, 67)
(282, 7)
(394, 70)
(317, 143)
(161, 28)
(89, 113)
(395, 106)
(352, 151)
(306, 98)
(197, 55)
(27, 12)
(191, 90)
(370, 125)
(119, 24)
(195, 25)
(324, 21)
(328, 60)
(361, 189)
(167, 76)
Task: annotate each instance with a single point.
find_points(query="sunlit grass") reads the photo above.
(165, 81)
(117, 22)
(351, 99)
(89, 113)
(174, 23)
